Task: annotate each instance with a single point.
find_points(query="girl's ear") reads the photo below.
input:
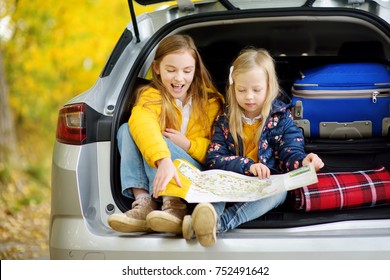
(156, 68)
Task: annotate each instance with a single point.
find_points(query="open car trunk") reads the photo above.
(298, 39)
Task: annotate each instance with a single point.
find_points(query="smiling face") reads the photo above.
(251, 91)
(177, 71)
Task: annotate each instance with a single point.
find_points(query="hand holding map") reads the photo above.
(219, 185)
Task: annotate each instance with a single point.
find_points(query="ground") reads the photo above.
(24, 228)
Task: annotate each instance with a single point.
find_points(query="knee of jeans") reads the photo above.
(124, 128)
(219, 207)
(280, 198)
(123, 134)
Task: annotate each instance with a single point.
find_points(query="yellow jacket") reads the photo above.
(146, 131)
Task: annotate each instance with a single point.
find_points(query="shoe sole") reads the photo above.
(188, 231)
(126, 224)
(204, 221)
(161, 221)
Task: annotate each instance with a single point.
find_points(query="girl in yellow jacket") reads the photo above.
(171, 119)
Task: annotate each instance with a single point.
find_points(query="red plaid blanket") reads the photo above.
(344, 190)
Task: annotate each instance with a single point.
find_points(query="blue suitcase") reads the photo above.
(343, 101)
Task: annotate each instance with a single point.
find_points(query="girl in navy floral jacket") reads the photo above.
(256, 137)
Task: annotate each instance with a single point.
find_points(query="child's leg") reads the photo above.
(134, 185)
(170, 217)
(244, 212)
(132, 170)
(173, 210)
(219, 207)
(177, 152)
(203, 223)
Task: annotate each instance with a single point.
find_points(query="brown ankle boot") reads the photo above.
(204, 223)
(133, 220)
(187, 230)
(170, 218)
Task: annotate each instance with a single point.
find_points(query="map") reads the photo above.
(219, 185)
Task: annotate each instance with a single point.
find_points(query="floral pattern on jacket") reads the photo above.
(281, 145)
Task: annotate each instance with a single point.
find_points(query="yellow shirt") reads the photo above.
(251, 149)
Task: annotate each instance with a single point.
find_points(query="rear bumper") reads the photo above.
(70, 239)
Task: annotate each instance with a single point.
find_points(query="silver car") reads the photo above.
(299, 34)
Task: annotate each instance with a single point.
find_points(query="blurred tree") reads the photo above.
(55, 50)
(7, 128)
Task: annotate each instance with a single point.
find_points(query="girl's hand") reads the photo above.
(313, 158)
(166, 170)
(177, 138)
(260, 170)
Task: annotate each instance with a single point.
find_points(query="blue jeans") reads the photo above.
(242, 212)
(135, 172)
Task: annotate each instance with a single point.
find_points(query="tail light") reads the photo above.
(71, 125)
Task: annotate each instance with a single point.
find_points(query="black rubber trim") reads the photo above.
(228, 5)
(280, 218)
(98, 126)
(309, 3)
(123, 42)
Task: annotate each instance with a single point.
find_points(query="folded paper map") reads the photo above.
(219, 185)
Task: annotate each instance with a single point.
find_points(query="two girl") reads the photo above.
(256, 137)
(172, 118)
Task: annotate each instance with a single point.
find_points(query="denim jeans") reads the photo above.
(135, 172)
(242, 212)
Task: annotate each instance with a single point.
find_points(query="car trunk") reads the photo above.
(298, 39)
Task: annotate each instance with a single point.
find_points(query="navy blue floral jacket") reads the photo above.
(281, 145)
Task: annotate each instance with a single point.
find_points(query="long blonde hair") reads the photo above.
(247, 60)
(200, 90)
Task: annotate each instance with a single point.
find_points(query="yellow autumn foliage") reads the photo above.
(57, 50)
